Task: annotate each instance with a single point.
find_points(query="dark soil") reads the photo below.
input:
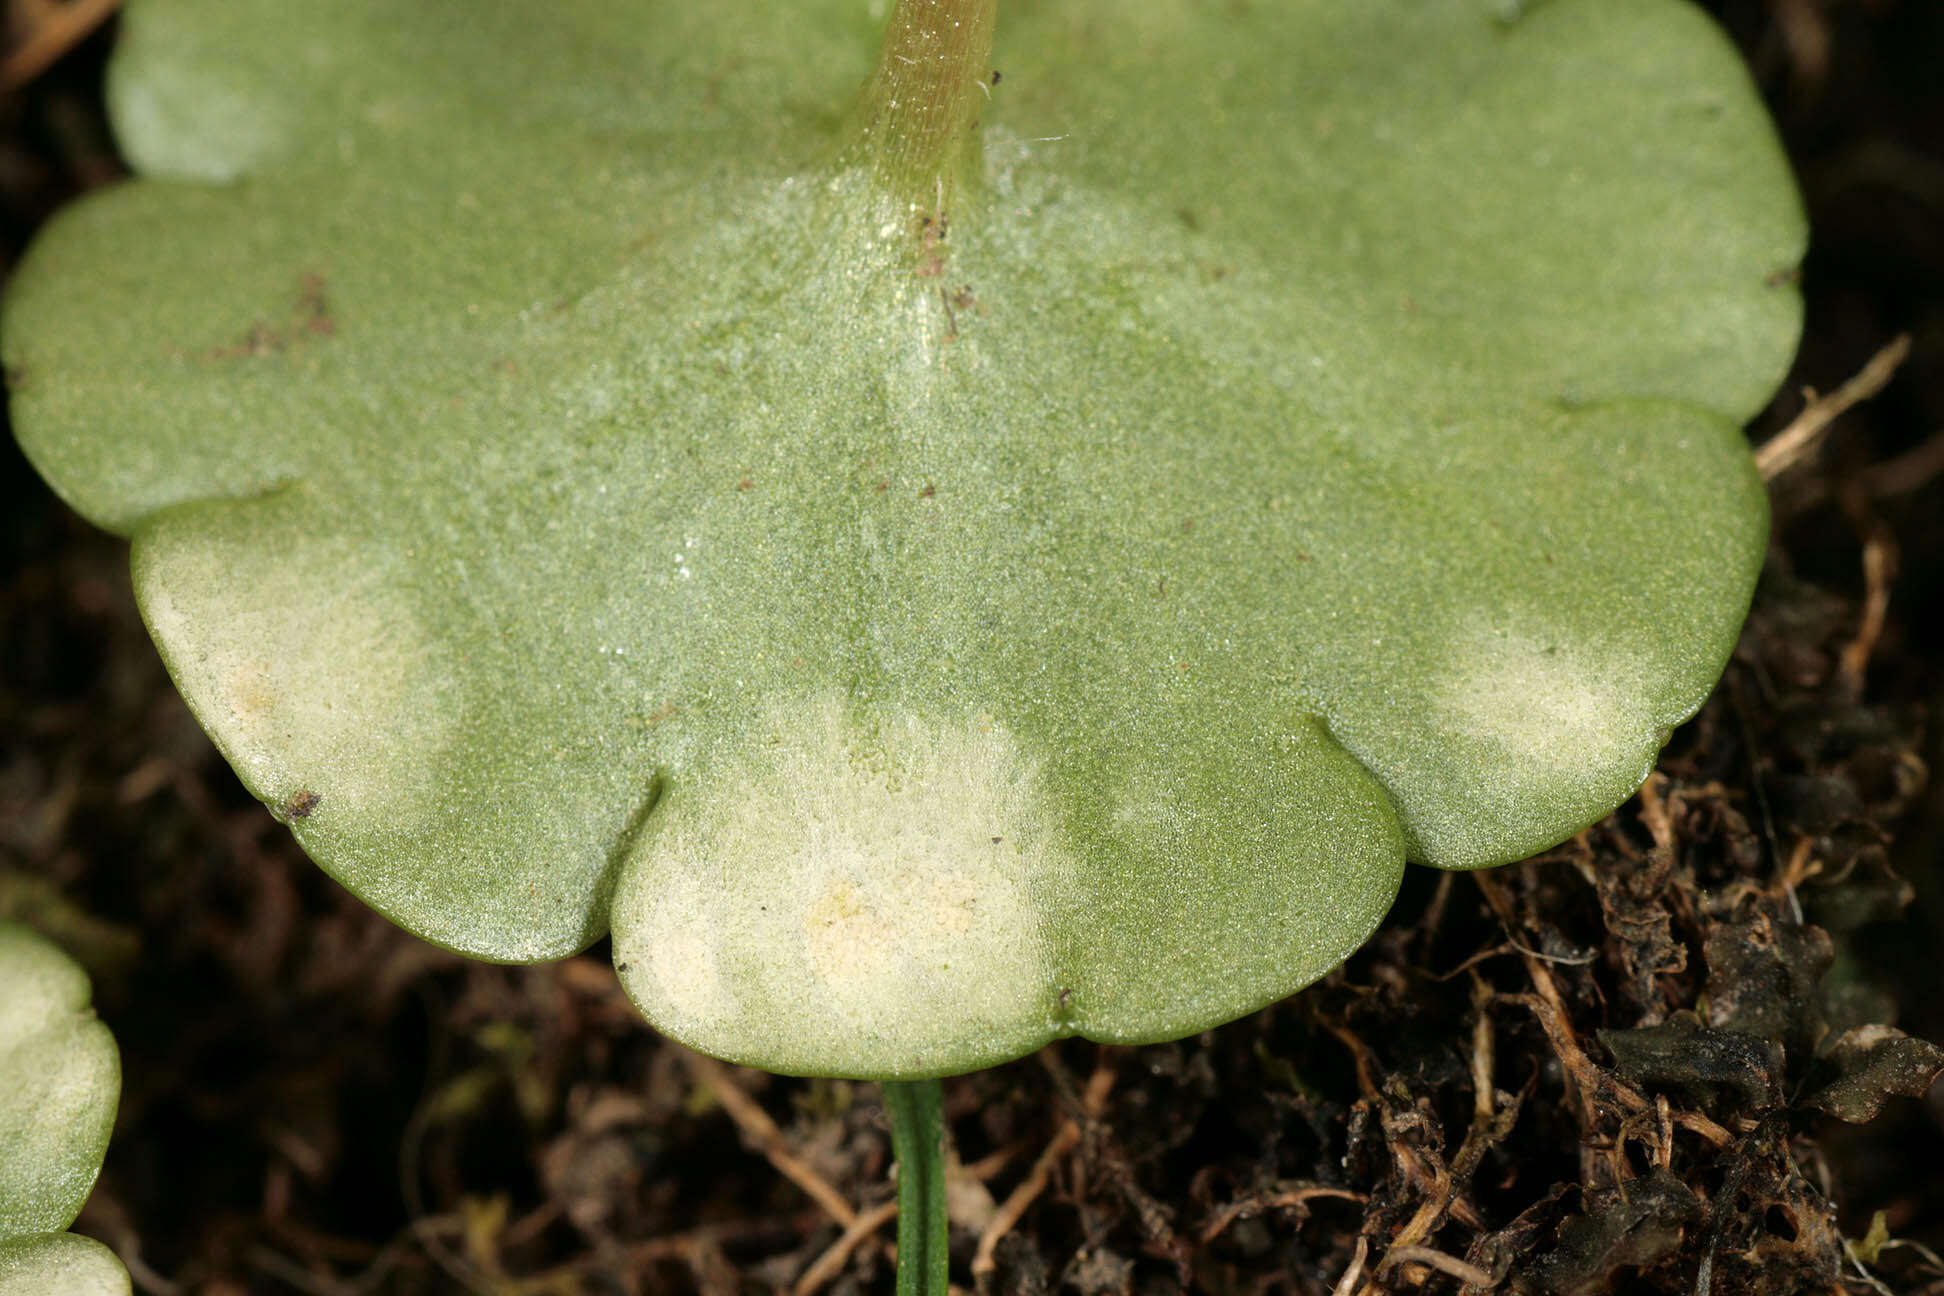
(1656, 1061)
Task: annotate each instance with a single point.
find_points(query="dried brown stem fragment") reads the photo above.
(1094, 1101)
(1879, 574)
(1793, 443)
(831, 1263)
(1013, 1209)
(762, 1135)
(57, 29)
(1299, 1195)
(1421, 1255)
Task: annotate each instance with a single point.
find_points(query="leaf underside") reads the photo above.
(568, 500)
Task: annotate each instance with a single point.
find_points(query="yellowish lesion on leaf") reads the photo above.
(1554, 703)
(326, 691)
(1535, 710)
(857, 891)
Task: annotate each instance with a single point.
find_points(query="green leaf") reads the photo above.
(61, 1264)
(570, 494)
(60, 1078)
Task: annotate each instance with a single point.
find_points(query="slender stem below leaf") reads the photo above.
(918, 1143)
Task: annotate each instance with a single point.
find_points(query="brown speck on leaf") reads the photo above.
(299, 805)
(933, 227)
(995, 76)
(997, 840)
(505, 365)
(260, 340)
(744, 484)
(929, 491)
(313, 307)
(310, 318)
(884, 484)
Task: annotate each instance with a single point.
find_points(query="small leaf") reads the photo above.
(1867, 1248)
(1873, 1064)
(1765, 978)
(1703, 1065)
(1634, 1225)
(61, 1264)
(60, 1078)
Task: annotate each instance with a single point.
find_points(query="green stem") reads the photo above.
(917, 121)
(918, 1142)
